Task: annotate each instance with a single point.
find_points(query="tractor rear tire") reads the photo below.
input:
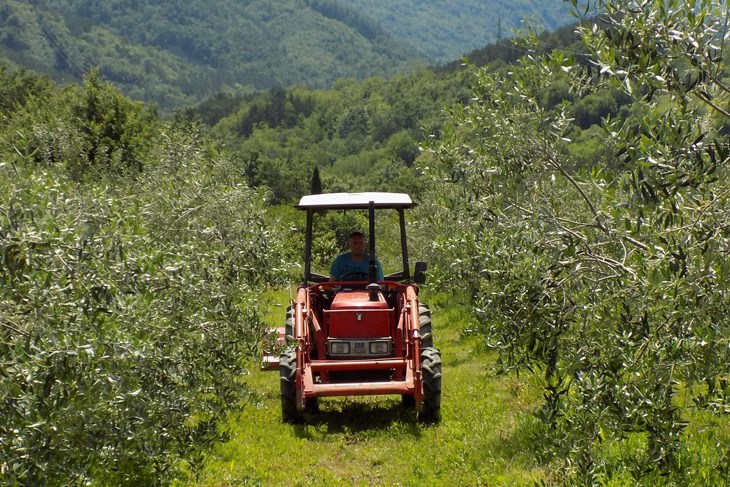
(431, 373)
(426, 329)
(288, 385)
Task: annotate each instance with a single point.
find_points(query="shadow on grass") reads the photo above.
(352, 416)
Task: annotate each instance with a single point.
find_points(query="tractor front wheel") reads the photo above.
(288, 384)
(431, 373)
(425, 326)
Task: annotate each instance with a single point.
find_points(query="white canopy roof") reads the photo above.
(355, 200)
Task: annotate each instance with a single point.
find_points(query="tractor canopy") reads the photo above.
(370, 201)
(336, 201)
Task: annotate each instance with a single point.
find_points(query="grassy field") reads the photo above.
(486, 437)
(374, 441)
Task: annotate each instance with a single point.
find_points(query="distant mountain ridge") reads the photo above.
(179, 51)
(444, 30)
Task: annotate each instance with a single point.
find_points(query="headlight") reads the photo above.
(339, 348)
(379, 348)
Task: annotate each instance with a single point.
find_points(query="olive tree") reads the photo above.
(612, 279)
(129, 313)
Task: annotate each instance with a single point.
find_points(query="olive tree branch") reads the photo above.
(596, 215)
(706, 98)
(12, 326)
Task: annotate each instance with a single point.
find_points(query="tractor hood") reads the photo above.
(357, 300)
(354, 315)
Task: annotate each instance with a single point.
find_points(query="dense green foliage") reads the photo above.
(609, 281)
(360, 135)
(366, 135)
(133, 256)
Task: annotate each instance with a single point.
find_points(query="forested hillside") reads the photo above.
(444, 31)
(367, 135)
(359, 135)
(574, 204)
(175, 53)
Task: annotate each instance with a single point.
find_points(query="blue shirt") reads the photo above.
(344, 264)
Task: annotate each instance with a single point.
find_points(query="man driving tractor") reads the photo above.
(373, 337)
(353, 265)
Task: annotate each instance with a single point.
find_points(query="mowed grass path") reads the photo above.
(481, 439)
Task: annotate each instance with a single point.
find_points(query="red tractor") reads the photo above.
(359, 336)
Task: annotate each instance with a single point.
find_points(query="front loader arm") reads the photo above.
(414, 343)
(301, 335)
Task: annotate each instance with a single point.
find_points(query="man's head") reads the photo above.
(356, 243)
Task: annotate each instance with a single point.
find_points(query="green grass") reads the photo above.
(374, 441)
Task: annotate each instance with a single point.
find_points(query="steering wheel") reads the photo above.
(354, 276)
